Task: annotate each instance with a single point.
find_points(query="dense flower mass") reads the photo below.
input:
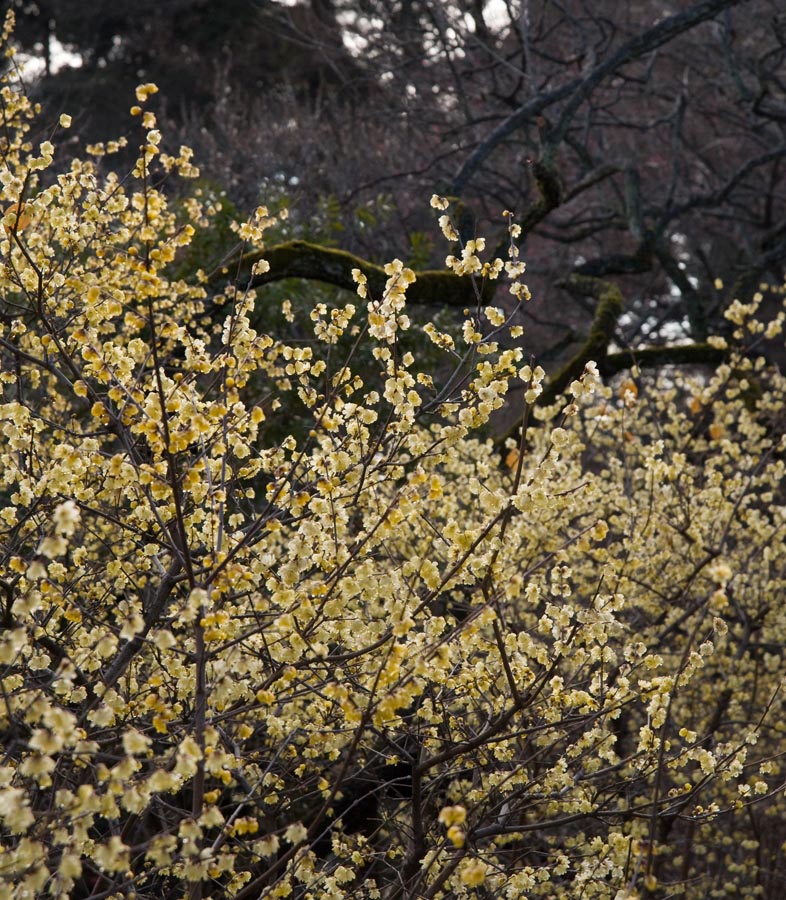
(379, 656)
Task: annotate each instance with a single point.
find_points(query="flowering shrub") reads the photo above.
(380, 659)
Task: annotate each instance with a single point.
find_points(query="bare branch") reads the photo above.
(580, 88)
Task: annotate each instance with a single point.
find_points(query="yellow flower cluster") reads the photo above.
(222, 636)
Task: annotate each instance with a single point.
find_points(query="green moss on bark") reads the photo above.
(314, 262)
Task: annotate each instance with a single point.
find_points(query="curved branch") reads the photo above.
(550, 196)
(551, 192)
(619, 263)
(523, 114)
(644, 43)
(580, 88)
(608, 310)
(715, 198)
(699, 354)
(301, 259)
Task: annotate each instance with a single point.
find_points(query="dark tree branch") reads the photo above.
(716, 198)
(580, 88)
(700, 354)
(644, 43)
(604, 322)
(697, 318)
(551, 192)
(618, 263)
(523, 114)
(301, 259)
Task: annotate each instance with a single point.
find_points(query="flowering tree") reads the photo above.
(383, 657)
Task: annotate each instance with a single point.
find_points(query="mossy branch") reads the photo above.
(314, 262)
(608, 310)
(656, 357)
(604, 322)
(549, 197)
(610, 303)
